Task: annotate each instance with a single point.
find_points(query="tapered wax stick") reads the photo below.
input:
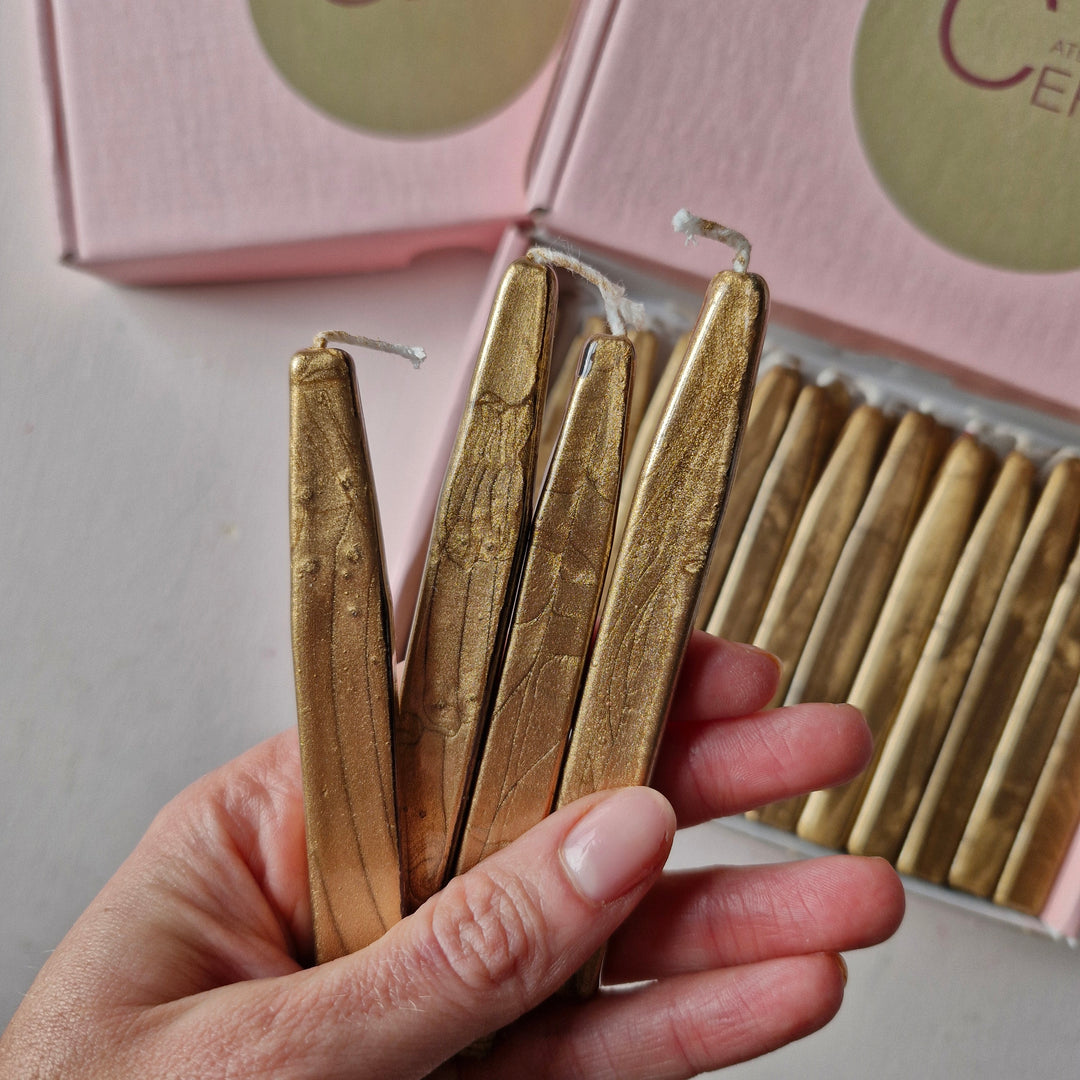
(914, 740)
(476, 548)
(785, 488)
(1049, 824)
(906, 618)
(811, 559)
(562, 385)
(342, 655)
(1025, 743)
(995, 678)
(556, 609)
(774, 398)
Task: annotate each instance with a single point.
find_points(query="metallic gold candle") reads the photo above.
(342, 656)
(774, 398)
(1024, 746)
(646, 351)
(995, 678)
(649, 611)
(475, 553)
(1049, 824)
(785, 488)
(556, 609)
(906, 618)
(912, 744)
(811, 559)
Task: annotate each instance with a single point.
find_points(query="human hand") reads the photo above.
(190, 962)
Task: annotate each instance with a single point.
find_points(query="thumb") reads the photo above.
(491, 945)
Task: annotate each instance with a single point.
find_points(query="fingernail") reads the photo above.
(618, 843)
(753, 650)
(841, 963)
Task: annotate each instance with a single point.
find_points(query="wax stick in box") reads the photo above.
(1024, 745)
(811, 559)
(906, 618)
(912, 744)
(555, 613)
(477, 544)
(649, 610)
(995, 678)
(646, 351)
(342, 655)
(790, 477)
(774, 398)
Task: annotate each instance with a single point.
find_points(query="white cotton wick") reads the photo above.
(621, 312)
(692, 226)
(413, 353)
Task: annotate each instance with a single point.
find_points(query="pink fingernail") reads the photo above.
(618, 843)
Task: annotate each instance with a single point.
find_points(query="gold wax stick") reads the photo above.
(995, 678)
(342, 657)
(912, 744)
(646, 351)
(774, 398)
(642, 444)
(785, 487)
(562, 385)
(906, 618)
(1025, 743)
(556, 609)
(868, 560)
(475, 553)
(648, 614)
(811, 559)
(1049, 824)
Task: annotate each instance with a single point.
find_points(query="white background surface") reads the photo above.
(144, 602)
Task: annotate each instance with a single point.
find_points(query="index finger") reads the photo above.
(723, 679)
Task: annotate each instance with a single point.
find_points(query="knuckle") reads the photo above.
(487, 933)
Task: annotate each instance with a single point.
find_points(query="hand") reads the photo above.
(190, 963)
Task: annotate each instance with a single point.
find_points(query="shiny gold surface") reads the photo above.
(913, 742)
(342, 655)
(1025, 743)
(774, 397)
(562, 384)
(646, 354)
(904, 624)
(476, 548)
(995, 678)
(1049, 824)
(785, 488)
(556, 610)
(811, 559)
(649, 611)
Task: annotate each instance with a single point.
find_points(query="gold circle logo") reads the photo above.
(409, 67)
(969, 113)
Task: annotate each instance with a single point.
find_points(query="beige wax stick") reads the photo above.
(915, 737)
(774, 398)
(556, 610)
(1024, 745)
(811, 559)
(342, 656)
(851, 604)
(785, 487)
(646, 352)
(995, 678)
(904, 624)
(477, 544)
(1049, 824)
(562, 385)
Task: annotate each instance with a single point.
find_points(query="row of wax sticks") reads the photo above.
(893, 563)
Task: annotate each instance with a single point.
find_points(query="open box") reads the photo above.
(781, 125)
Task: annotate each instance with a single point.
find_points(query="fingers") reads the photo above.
(726, 917)
(723, 678)
(676, 1028)
(493, 944)
(711, 770)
